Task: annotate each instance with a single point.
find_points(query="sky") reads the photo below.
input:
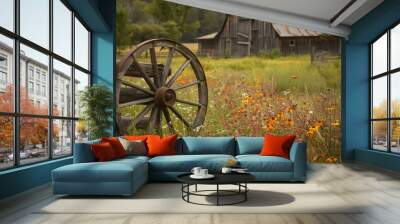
(34, 25)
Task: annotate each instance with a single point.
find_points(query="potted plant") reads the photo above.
(96, 103)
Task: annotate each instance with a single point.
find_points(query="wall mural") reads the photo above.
(201, 73)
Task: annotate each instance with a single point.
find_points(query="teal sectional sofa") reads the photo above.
(125, 176)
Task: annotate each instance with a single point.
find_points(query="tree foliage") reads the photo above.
(33, 130)
(140, 20)
(96, 102)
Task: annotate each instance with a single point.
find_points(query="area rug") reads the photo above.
(166, 198)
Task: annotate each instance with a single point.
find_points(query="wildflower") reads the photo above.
(335, 124)
(259, 94)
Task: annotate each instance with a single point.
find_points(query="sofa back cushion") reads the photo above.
(206, 145)
(83, 152)
(249, 145)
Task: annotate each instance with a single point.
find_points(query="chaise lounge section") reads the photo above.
(125, 176)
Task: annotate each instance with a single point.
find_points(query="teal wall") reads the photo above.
(99, 15)
(355, 87)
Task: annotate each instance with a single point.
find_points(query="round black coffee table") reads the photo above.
(238, 179)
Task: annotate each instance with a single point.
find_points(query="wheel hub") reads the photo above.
(165, 96)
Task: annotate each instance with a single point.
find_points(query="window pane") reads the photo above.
(379, 135)
(81, 131)
(33, 139)
(395, 138)
(35, 21)
(6, 142)
(6, 74)
(62, 29)
(379, 97)
(395, 94)
(62, 138)
(34, 97)
(379, 55)
(81, 82)
(7, 14)
(81, 45)
(62, 89)
(395, 47)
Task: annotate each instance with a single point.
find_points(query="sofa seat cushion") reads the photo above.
(185, 163)
(257, 163)
(133, 157)
(112, 171)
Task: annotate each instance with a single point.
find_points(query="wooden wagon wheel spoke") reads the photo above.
(187, 85)
(178, 72)
(142, 114)
(154, 65)
(177, 114)
(167, 65)
(136, 87)
(136, 102)
(143, 74)
(155, 121)
(188, 102)
(168, 119)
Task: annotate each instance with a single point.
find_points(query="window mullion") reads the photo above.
(389, 106)
(50, 81)
(73, 82)
(16, 85)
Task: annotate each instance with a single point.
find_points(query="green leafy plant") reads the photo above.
(96, 102)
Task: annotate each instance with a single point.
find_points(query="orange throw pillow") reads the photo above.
(116, 145)
(103, 152)
(136, 137)
(161, 146)
(277, 145)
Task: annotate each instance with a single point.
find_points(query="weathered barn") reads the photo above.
(242, 37)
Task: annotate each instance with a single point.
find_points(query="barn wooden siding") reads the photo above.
(243, 37)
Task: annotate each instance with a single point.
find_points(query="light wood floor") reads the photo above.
(377, 188)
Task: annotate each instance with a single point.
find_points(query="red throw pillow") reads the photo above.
(161, 146)
(116, 145)
(103, 152)
(136, 137)
(277, 145)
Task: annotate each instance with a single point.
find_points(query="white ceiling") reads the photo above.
(310, 14)
(321, 9)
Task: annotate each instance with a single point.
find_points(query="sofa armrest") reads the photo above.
(83, 152)
(298, 155)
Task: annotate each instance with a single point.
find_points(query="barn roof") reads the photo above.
(282, 31)
(208, 36)
(290, 31)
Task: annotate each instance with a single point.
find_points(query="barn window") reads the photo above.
(292, 43)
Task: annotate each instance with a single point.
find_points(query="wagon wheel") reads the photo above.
(159, 95)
